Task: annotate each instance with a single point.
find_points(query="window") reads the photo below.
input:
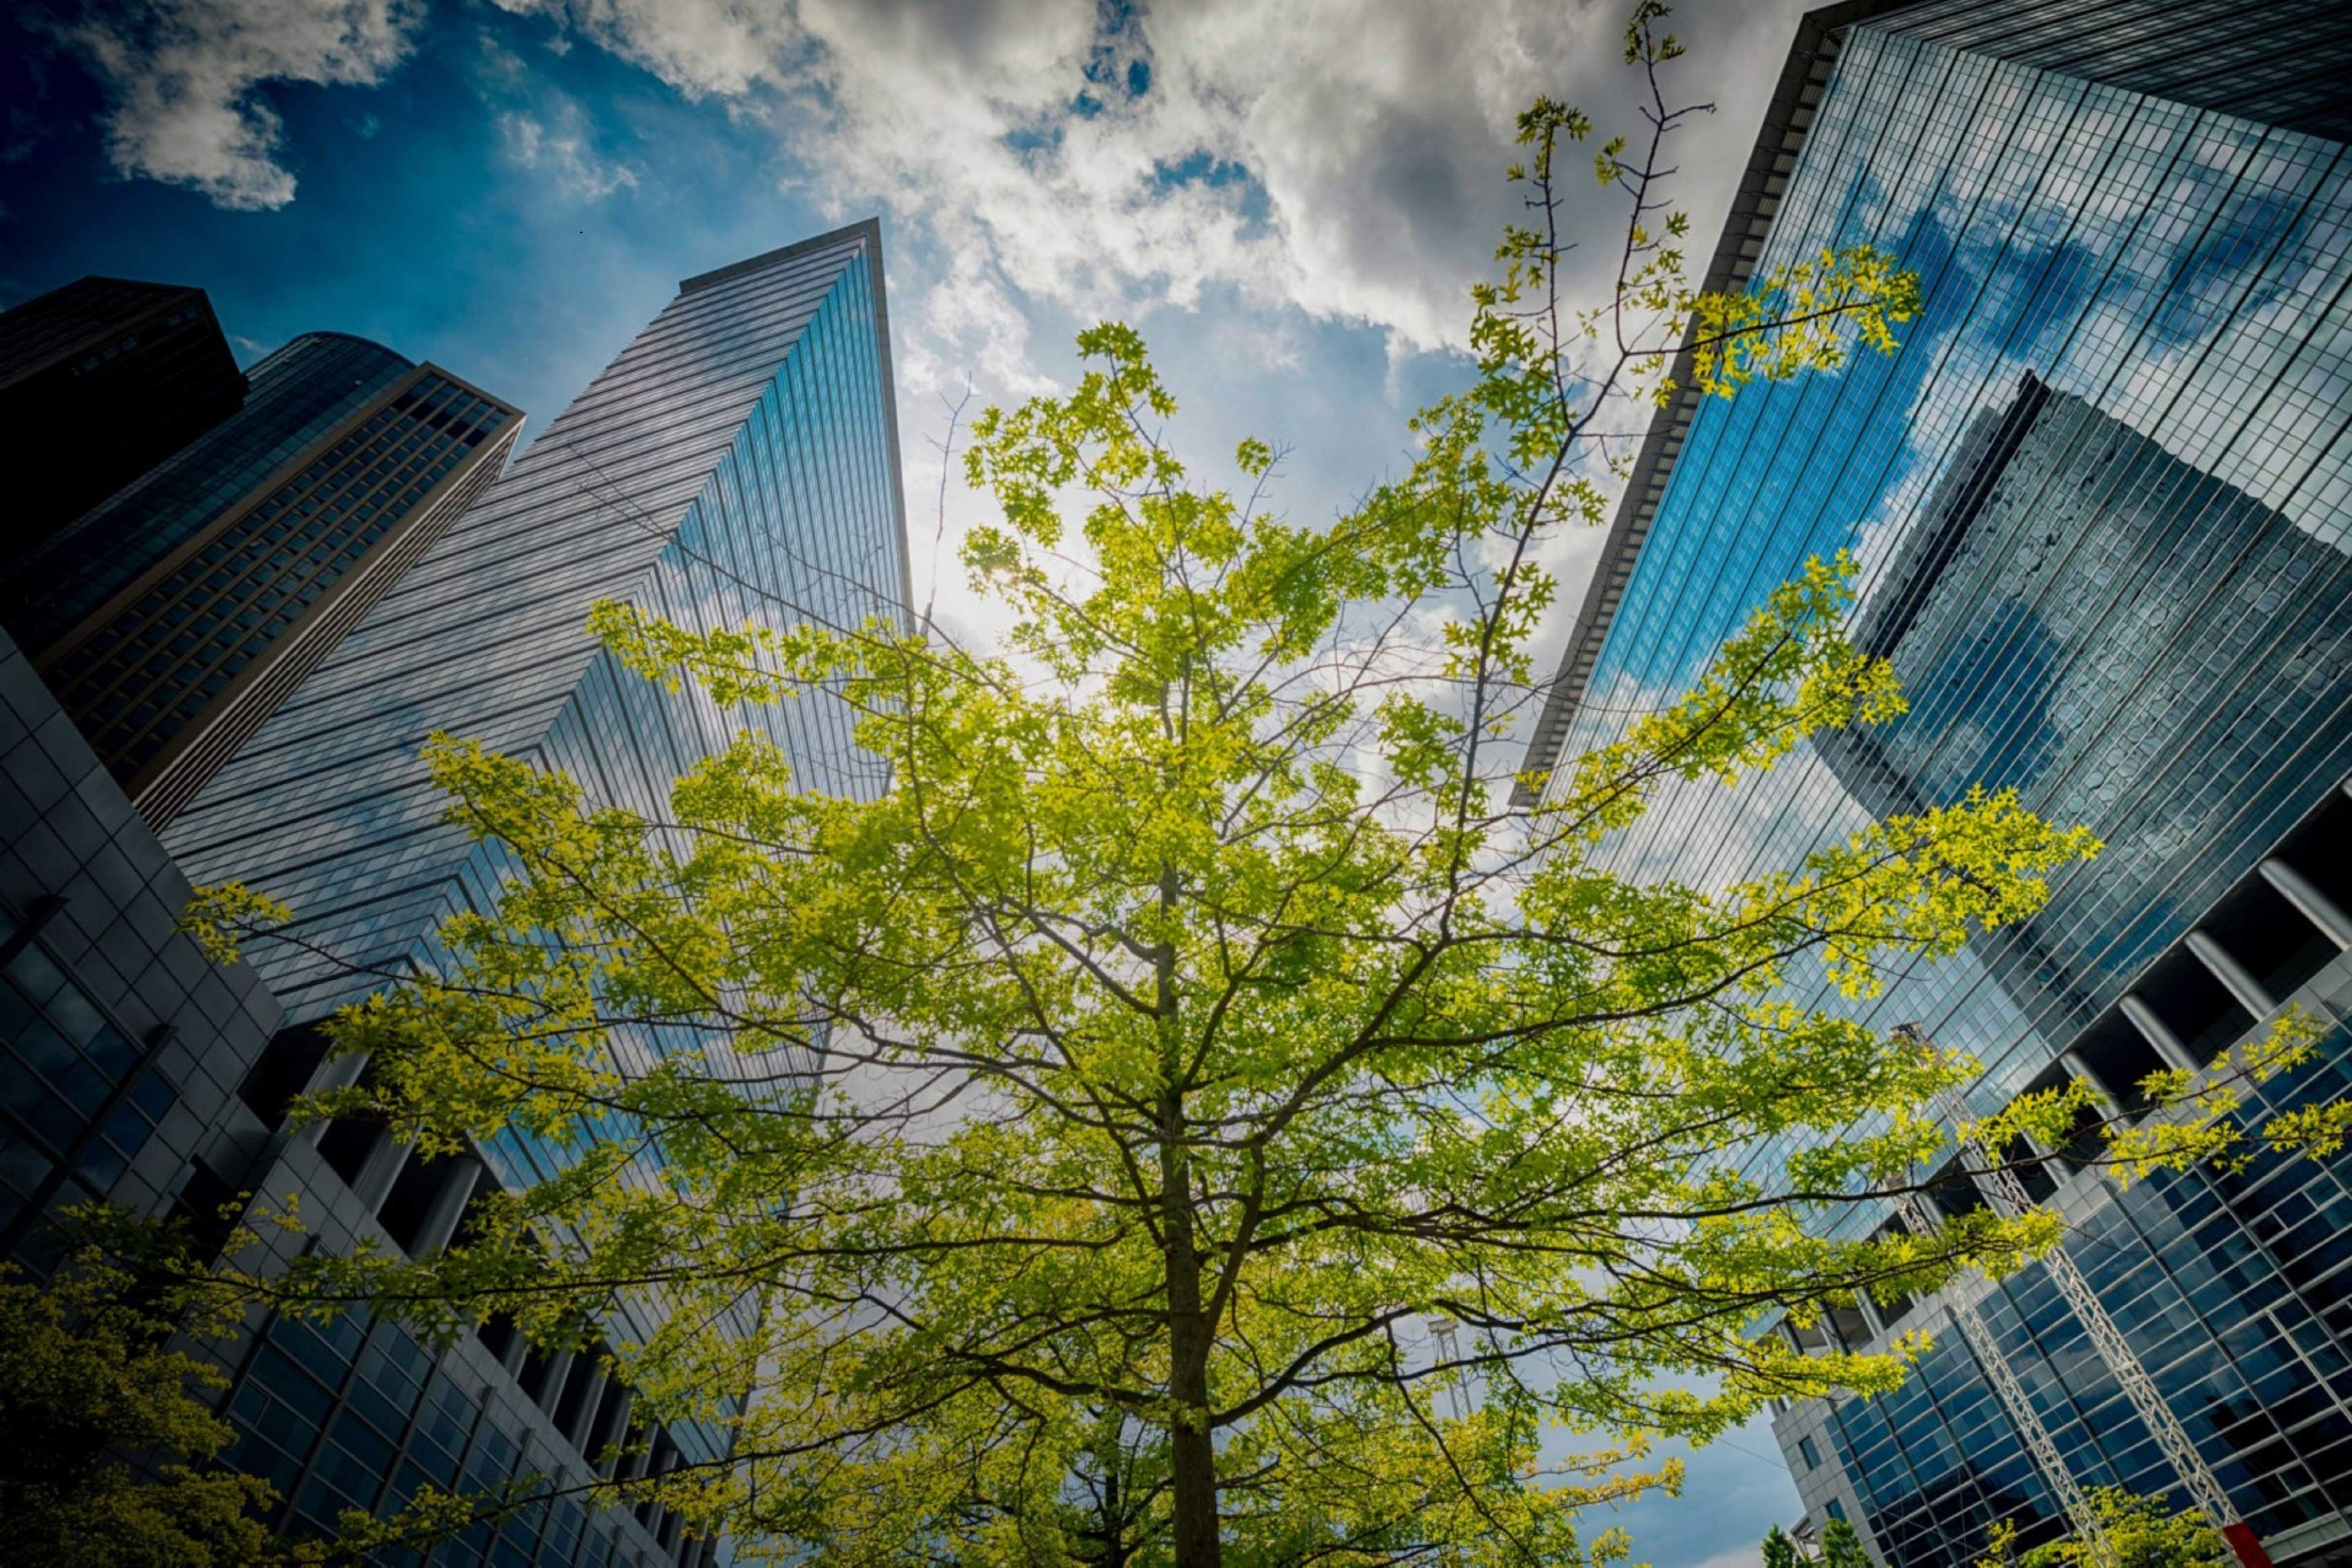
(1812, 1454)
(283, 1072)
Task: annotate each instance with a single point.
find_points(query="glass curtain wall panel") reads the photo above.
(737, 461)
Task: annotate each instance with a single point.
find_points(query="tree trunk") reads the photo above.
(1114, 1522)
(1193, 1460)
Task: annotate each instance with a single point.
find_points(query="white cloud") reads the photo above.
(1343, 159)
(184, 81)
(1268, 163)
(560, 146)
(1737, 1557)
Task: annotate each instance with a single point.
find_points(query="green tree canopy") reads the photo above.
(1192, 1115)
(106, 1435)
(2139, 1532)
(1842, 1546)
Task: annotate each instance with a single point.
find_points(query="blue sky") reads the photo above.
(1289, 200)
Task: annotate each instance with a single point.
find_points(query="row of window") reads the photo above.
(2139, 616)
(356, 1414)
(164, 660)
(2234, 1287)
(339, 1416)
(1769, 477)
(298, 394)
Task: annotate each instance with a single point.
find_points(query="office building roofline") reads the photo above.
(868, 229)
(94, 331)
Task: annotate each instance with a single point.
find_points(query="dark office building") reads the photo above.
(100, 381)
(172, 617)
(738, 456)
(120, 1043)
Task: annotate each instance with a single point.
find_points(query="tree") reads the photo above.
(107, 1438)
(1064, 1156)
(113, 1446)
(1780, 1552)
(1841, 1547)
(2141, 1532)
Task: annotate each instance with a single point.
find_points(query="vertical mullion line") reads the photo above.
(2217, 499)
(814, 729)
(1962, 621)
(805, 732)
(1991, 188)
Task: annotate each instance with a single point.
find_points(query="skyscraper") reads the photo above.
(171, 618)
(222, 556)
(2102, 498)
(738, 461)
(100, 381)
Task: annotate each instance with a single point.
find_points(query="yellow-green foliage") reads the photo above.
(221, 917)
(112, 1449)
(106, 1435)
(2137, 1532)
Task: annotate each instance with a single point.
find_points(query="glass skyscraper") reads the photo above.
(171, 618)
(99, 380)
(239, 525)
(738, 461)
(2102, 501)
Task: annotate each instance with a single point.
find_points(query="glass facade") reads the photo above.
(172, 617)
(737, 461)
(2055, 633)
(2101, 501)
(79, 1098)
(300, 392)
(359, 1413)
(2233, 1293)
